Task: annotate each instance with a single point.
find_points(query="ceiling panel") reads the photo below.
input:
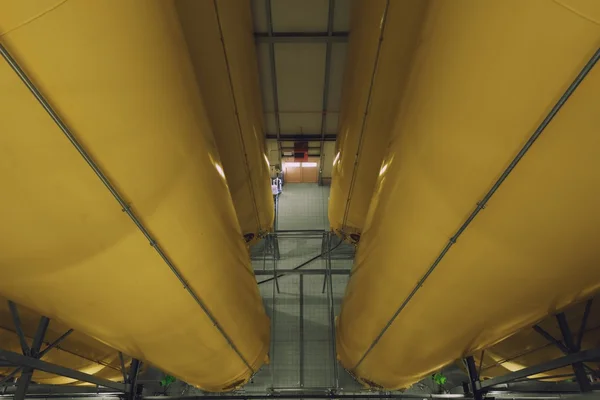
(309, 123)
(299, 15)
(300, 76)
(266, 82)
(259, 14)
(336, 75)
(331, 123)
(341, 16)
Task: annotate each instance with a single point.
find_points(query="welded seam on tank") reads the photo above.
(124, 206)
(481, 204)
(365, 116)
(237, 118)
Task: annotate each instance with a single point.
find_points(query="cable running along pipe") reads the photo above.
(481, 205)
(364, 121)
(124, 206)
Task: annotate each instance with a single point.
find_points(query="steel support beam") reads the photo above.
(331, 13)
(303, 272)
(123, 369)
(34, 351)
(583, 326)
(473, 378)
(59, 370)
(301, 37)
(561, 346)
(273, 68)
(14, 311)
(580, 375)
(570, 359)
(302, 137)
(134, 371)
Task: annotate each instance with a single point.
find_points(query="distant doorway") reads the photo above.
(301, 172)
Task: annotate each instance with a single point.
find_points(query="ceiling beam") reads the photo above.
(302, 138)
(301, 37)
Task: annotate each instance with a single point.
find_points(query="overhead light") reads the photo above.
(309, 164)
(291, 164)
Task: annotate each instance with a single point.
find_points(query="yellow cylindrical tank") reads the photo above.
(485, 75)
(528, 348)
(220, 37)
(77, 351)
(120, 75)
(382, 42)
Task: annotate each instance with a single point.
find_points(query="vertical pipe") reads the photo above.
(301, 327)
(273, 320)
(331, 306)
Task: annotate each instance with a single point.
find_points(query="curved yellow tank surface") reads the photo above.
(78, 351)
(483, 79)
(220, 37)
(120, 75)
(527, 347)
(372, 88)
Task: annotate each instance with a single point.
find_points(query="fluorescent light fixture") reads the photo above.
(309, 164)
(291, 164)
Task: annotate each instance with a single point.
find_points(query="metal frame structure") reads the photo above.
(303, 137)
(329, 38)
(30, 360)
(574, 357)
